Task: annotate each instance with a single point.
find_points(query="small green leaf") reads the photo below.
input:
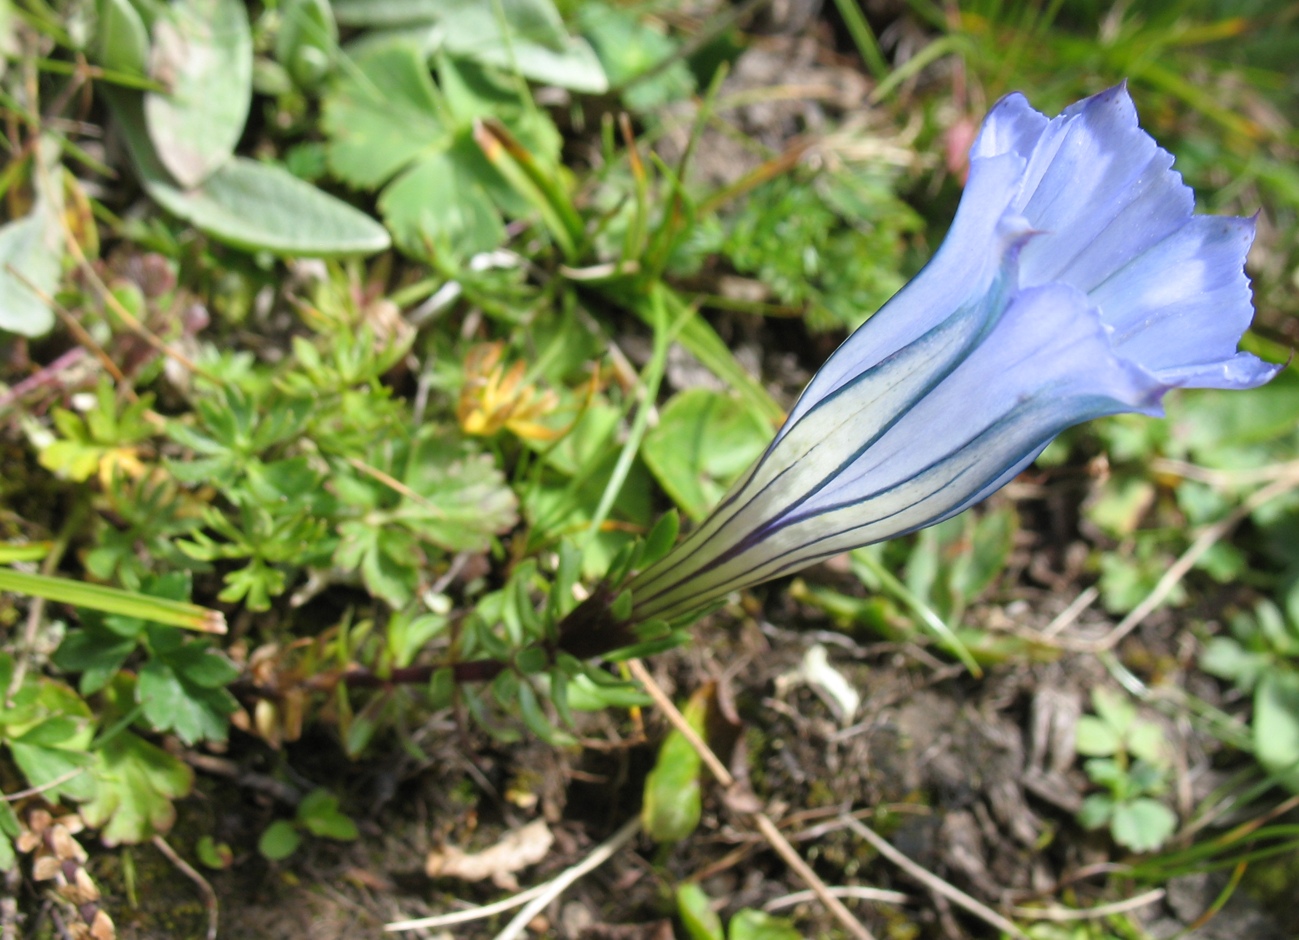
(383, 114)
(749, 924)
(1107, 773)
(307, 41)
(1227, 659)
(1276, 725)
(697, 916)
(122, 43)
(673, 800)
(661, 538)
(320, 814)
(9, 830)
(1114, 709)
(213, 854)
(1095, 811)
(279, 840)
(203, 51)
(96, 653)
(438, 201)
(1142, 825)
(1095, 738)
(1145, 740)
(172, 701)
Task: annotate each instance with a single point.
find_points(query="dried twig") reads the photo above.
(437, 921)
(557, 885)
(47, 785)
(761, 821)
(1203, 542)
(857, 892)
(932, 881)
(190, 872)
(1062, 915)
(534, 898)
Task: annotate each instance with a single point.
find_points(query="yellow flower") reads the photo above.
(494, 397)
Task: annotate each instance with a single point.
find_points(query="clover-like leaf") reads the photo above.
(136, 783)
(1142, 824)
(390, 125)
(183, 692)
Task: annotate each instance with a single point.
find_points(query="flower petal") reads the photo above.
(1100, 190)
(1180, 308)
(1046, 365)
(961, 272)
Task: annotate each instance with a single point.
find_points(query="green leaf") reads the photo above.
(385, 118)
(591, 695)
(1114, 709)
(250, 205)
(263, 207)
(699, 919)
(279, 840)
(42, 765)
(749, 924)
(1107, 773)
(386, 12)
(1142, 825)
(135, 785)
(1095, 811)
(388, 575)
(661, 538)
(673, 800)
(174, 698)
(526, 36)
(1095, 738)
(1276, 725)
(94, 652)
(440, 202)
(463, 498)
(383, 114)
(203, 51)
(1145, 740)
(215, 855)
(9, 830)
(703, 441)
(1239, 430)
(48, 729)
(627, 46)
(320, 814)
(1227, 659)
(122, 43)
(307, 41)
(31, 253)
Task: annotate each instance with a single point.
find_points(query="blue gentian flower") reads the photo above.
(1075, 282)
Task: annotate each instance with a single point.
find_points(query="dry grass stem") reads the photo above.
(761, 821)
(1062, 915)
(933, 882)
(855, 892)
(533, 899)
